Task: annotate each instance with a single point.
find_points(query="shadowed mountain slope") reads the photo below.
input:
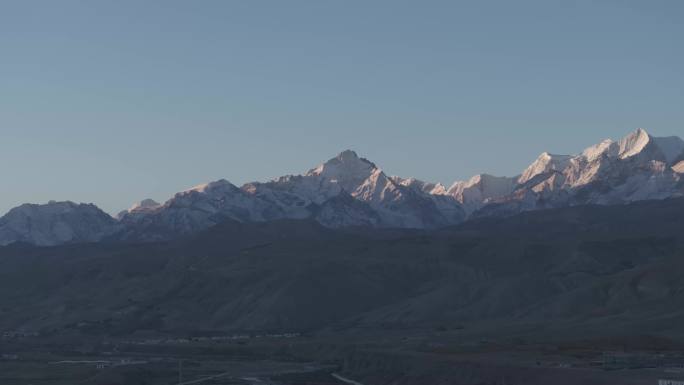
(610, 267)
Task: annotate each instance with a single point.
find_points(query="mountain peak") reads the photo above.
(51, 206)
(145, 204)
(55, 223)
(351, 159)
(671, 148)
(426, 187)
(474, 192)
(346, 164)
(633, 143)
(217, 184)
(594, 152)
(639, 131)
(544, 163)
(484, 178)
(347, 155)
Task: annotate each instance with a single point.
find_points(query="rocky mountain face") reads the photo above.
(608, 268)
(480, 189)
(350, 191)
(140, 208)
(56, 223)
(637, 167)
(344, 191)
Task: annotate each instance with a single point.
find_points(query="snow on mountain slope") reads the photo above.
(349, 190)
(403, 206)
(679, 167)
(344, 210)
(394, 204)
(633, 143)
(592, 153)
(426, 187)
(450, 208)
(55, 223)
(637, 167)
(144, 206)
(196, 209)
(293, 195)
(347, 170)
(480, 189)
(545, 163)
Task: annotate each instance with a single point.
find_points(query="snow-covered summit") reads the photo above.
(633, 143)
(480, 189)
(210, 187)
(667, 149)
(55, 223)
(638, 166)
(543, 164)
(346, 169)
(348, 190)
(594, 152)
(426, 187)
(345, 190)
(144, 205)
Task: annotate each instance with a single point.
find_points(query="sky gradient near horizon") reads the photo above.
(111, 102)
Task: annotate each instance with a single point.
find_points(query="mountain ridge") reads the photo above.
(349, 190)
(613, 265)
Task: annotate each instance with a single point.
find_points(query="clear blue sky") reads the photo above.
(114, 101)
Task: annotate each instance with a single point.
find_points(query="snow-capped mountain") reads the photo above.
(344, 191)
(480, 189)
(195, 209)
(348, 190)
(56, 223)
(141, 207)
(637, 167)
